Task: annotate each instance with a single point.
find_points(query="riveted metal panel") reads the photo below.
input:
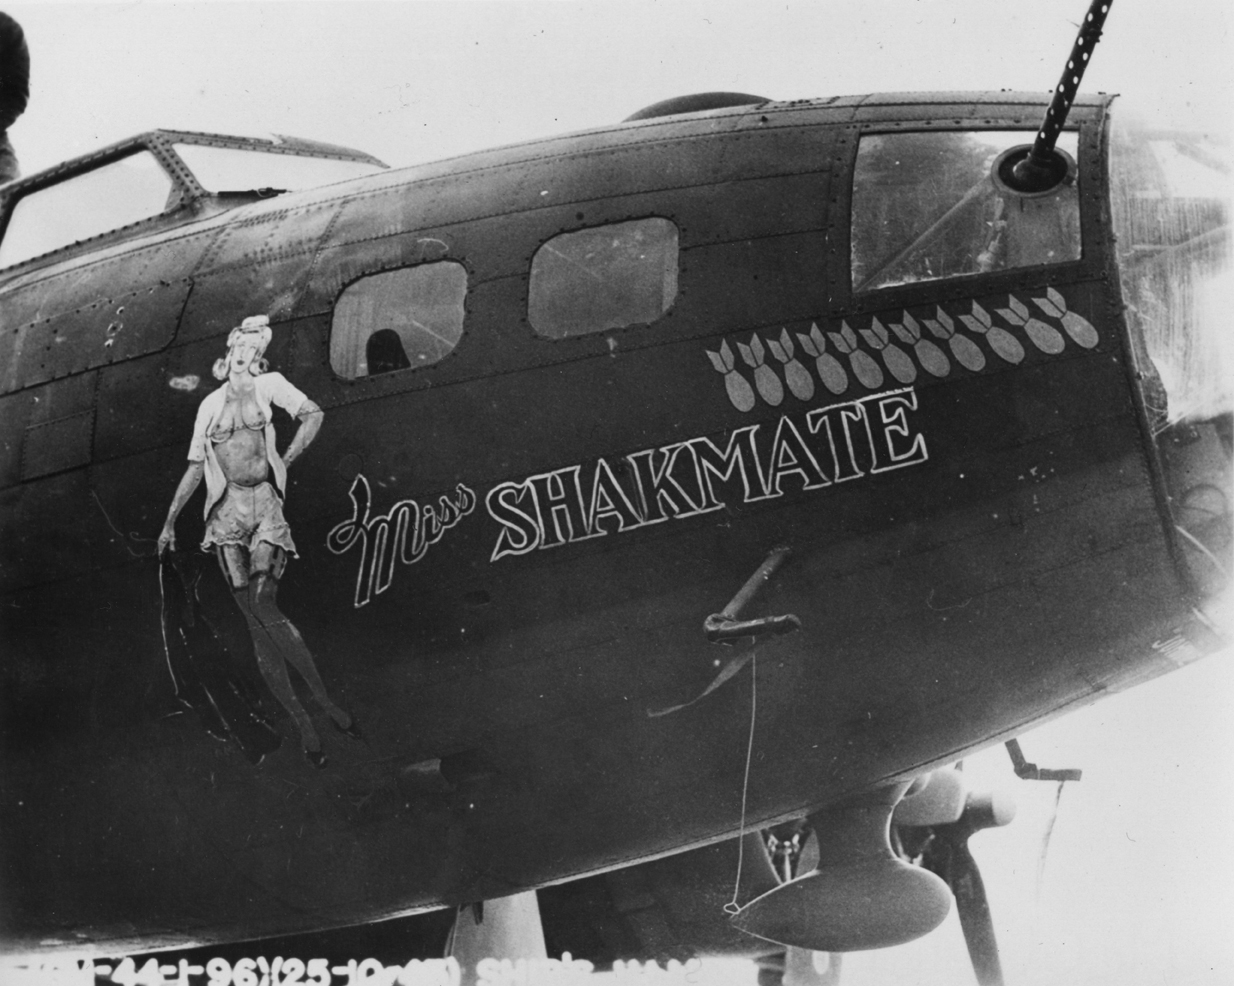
(162, 256)
(924, 103)
(667, 165)
(759, 177)
(14, 413)
(955, 114)
(60, 426)
(787, 116)
(337, 267)
(751, 210)
(151, 402)
(222, 299)
(115, 325)
(61, 399)
(575, 176)
(258, 265)
(48, 534)
(57, 445)
(85, 314)
(62, 287)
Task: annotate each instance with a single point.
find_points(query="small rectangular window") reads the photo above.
(925, 207)
(603, 278)
(398, 320)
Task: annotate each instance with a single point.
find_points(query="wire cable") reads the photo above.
(732, 907)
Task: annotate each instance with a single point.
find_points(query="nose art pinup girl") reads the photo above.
(233, 447)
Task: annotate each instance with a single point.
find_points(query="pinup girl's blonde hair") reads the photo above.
(254, 325)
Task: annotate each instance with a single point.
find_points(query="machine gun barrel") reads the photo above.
(1038, 172)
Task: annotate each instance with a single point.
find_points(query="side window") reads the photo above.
(398, 320)
(925, 207)
(603, 278)
(109, 197)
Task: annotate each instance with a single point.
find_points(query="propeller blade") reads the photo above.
(948, 856)
(973, 907)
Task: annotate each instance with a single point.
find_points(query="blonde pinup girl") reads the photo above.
(233, 447)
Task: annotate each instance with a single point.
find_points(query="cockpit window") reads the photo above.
(605, 277)
(398, 320)
(109, 197)
(1170, 198)
(925, 207)
(233, 169)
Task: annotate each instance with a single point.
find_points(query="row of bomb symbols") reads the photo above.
(886, 342)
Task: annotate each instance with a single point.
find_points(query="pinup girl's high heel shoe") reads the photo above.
(352, 730)
(316, 757)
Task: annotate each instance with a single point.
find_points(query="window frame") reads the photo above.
(172, 201)
(897, 258)
(1087, 122)
(402, 373)
(177, 199)
(186, 192)
(541, 335)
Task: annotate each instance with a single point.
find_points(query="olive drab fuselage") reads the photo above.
(508, 550)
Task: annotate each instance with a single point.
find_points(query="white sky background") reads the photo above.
(417, 81)
(1138, 886)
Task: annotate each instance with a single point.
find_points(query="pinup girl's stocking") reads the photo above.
(276, 641)
(274, 670)
(286, 638)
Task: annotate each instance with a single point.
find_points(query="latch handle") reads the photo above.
(724, 626)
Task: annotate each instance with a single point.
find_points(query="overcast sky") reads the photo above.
(1137, 885)
(416, 81)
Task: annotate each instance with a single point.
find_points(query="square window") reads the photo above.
(398, 320)
(606, 277)
(926, 207)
